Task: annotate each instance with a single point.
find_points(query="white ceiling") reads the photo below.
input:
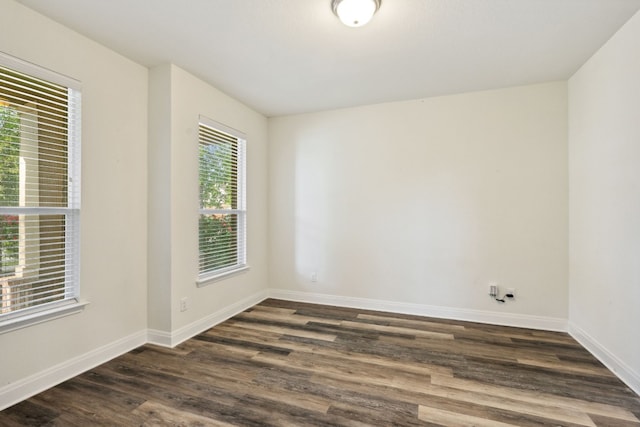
(292, 56)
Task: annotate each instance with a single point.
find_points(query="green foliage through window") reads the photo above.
(9, 186)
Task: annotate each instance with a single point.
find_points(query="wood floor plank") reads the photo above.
(602, 421)
(289, 329)
(536, 397)
(422, 324)
(563, 366)
(397, 330)
(454, 419)
(338, 368)
(156, 414)
(289, 316)
(76, 401)
(333, 351)
(28, 413)
(465, 402)
(284, 363)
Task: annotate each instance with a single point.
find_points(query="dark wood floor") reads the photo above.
(294, 364)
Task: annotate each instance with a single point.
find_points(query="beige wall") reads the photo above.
(604, 203)
(114, 195)
(159, 292)
(426, 201)
(178, 226)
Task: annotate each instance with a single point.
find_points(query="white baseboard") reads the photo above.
(34, 384)
(174, 338)
(613, 363)
(157, 337)
(491, 317)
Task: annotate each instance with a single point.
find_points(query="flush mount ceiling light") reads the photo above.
(355, 13)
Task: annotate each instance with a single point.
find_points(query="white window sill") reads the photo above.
(216, 277)
(56, 311)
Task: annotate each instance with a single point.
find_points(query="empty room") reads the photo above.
(320, 212)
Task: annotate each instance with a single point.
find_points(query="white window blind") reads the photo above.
(222, 222)
(39, 189)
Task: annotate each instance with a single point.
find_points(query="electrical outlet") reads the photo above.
(510, 291)
(184, 304)
(493, 290)
(314, 277)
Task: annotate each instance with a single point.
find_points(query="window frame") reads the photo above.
(209, 276)
(71, 302)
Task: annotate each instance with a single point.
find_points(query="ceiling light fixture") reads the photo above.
(355, 13)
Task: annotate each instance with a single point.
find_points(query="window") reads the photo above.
(222, 222)
(39, 191)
